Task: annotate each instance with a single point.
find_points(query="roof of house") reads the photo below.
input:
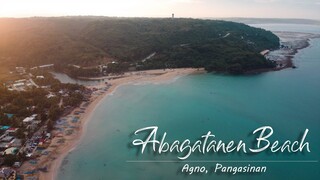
(29, 119)
(6, 172)
(9, 115)
(7, 139)
(12, 150)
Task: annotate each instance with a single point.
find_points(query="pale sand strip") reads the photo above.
(55, 159)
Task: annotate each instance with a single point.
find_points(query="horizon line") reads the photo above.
(179, 17)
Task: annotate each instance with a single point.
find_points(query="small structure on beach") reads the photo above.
(264, 52)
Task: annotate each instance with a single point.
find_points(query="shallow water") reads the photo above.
(64, 78)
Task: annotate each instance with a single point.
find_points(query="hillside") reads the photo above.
(90, 41)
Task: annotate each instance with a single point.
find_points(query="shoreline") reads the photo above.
(149, 76)
(58, 154)
(292, 43)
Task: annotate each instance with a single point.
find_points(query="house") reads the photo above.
(16, 143)
(33, 68)
(12, 150)
(7, 173)
(50, 95)
(40, 77)
(20, 81)
(20, 70)
(33, 125)
(11, 131)
(4, 127)
(9, 115)
(16, 164)
(18, 85)
(29, 84)
(46, 66)
(4, 146)
(30, 119)
(76, 66)
(7, 139)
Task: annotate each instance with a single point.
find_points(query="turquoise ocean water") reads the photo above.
(231, 107)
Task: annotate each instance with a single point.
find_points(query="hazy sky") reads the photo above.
(163, 8)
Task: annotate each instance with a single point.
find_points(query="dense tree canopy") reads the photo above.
(90, 41)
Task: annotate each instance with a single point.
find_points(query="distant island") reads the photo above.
(99, 46)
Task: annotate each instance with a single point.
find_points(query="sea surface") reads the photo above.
(231, 107)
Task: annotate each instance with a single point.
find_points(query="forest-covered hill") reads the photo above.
(90, 41)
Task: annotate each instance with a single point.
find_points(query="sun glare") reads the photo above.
(160, 8)
(21, 8)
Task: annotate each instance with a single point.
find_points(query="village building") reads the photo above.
(40, 77)
(29, 119)
(7, 173)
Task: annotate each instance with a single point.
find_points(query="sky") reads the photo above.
(308, 9)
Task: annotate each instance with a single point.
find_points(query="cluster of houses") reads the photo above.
(9, 144)
(38, 142)
(32, 122)
(19, 85)
(23, 84)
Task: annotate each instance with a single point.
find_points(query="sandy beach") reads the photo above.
(62, 144)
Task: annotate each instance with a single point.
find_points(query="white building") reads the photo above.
(40, 77)
(30, 119)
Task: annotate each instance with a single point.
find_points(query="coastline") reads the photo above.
(150, 76)
(291, 43)
(57, 157)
